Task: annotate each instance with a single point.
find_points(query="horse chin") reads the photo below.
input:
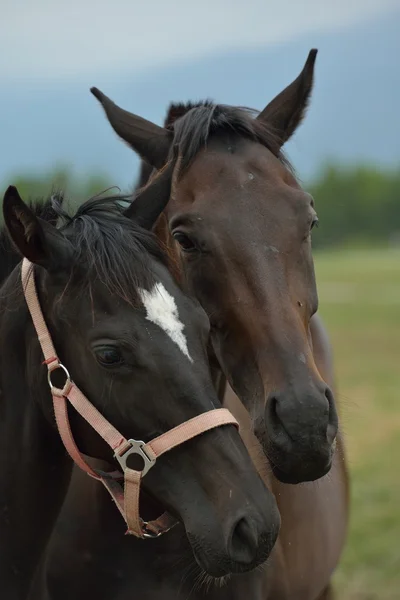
(301, 472)
(208, 581)
(217, 572)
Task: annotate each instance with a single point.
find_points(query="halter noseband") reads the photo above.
(123, 485)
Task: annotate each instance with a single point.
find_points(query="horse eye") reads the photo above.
(314, 223)
(108, 356)
(184, 241)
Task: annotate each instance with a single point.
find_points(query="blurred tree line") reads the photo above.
(356, 205)
(33, 187)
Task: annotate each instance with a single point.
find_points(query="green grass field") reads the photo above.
(359, 294)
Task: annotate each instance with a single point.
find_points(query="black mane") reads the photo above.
(109, 246)
(194, 124)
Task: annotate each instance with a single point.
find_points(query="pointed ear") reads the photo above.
(151, 200)
(37, 240)
(150, 141)
(286, 111)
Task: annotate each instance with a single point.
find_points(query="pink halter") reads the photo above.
(126, 497)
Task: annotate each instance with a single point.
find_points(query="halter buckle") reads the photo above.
(148, 534)
(136, 447)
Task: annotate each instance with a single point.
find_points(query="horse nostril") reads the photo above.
(273, 405)
(329, 396)
(272, 415)
(243, 544)
(333, 418)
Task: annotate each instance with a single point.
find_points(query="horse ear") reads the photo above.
(151, 200)
(150, 141)
(286, 111)
(37, 240)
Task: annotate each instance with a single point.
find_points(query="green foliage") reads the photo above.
(359, 293)
(62, 179)
(358, 205)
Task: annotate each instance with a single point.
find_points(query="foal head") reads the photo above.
(136, 346)
(243, 227)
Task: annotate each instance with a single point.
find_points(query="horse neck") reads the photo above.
(34, 470)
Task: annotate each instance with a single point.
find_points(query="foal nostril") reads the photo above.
(333, 417)
(272, 416)
(243, 544)
(329, 396)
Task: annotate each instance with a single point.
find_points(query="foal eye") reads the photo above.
(184, 241)
(108, 356)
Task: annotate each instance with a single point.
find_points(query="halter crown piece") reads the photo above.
(123, 484)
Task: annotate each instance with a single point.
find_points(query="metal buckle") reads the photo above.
(67, 375)
(137, 447)
(148, 534)
(151, 535)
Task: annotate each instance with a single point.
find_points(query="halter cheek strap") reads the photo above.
(124, 484)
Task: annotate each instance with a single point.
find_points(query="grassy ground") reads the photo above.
(360, 303)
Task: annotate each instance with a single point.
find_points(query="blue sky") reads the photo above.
(145, 54)
(54, 39)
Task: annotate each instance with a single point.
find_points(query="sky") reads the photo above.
(54, 39)
(145, 54)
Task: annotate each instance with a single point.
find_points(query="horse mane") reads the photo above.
(194, 123)
(9, 255)
(109, 246)
(176, 110)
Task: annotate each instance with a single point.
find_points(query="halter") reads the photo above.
(123, 484)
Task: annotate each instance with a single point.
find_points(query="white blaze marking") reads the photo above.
(161, 309)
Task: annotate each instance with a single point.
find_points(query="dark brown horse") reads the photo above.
(243, 223)
(238, 225)
(136, 346)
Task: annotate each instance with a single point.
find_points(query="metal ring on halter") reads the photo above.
(137, 447)
(148, 534)
(67, 375)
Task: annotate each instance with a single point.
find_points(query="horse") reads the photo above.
(98, 288)
(314, 515)
(256, 283)
(239, 226)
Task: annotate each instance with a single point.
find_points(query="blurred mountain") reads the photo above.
(353, 117)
